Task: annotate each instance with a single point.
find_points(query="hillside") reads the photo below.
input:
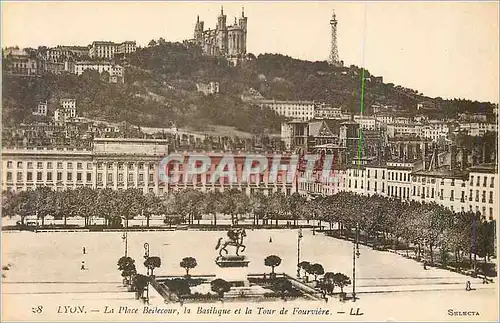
(161, 82)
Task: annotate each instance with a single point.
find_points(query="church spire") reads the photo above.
(222, 10)
(243, 12)
(198, 18)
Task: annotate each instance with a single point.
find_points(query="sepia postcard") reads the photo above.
(322, 161)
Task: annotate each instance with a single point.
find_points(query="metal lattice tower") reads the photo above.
(334, 51)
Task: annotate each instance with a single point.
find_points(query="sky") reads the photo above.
(446, 49)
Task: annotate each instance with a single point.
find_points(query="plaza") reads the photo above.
(45, 269)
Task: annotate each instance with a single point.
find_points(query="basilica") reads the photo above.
(229, 41)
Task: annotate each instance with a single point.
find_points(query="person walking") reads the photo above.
(467, 286)
(84, 251)
(83, 265)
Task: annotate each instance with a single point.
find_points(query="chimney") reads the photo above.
(424, 152)
(464, 159)
(436, 157)
(453, 157)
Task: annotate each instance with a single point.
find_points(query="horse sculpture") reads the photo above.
(235, 240)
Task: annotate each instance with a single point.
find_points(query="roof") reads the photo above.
(319, 129)
(442, 172)
(484, 168)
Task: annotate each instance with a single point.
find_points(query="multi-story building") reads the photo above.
(116, 72)
(20, 62)
(209, 88)
(66, 112)
(228, 41)
(324, 111)
(41, 109)
(121, 163)
(473, 189)
(273, 179)
(296, 110)
(394, 129)
(111, 163)
(435, 131)
(108, 49)
(476, 129)
(367, 123)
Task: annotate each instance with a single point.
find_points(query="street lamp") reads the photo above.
(355, 254)
(125, 236)
(299, 237)
(146, 256)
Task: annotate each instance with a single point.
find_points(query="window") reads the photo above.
(110, 177)
(441, 194)
(89, 177)
(383, 187)
(470, 195)
(120, 177)
(478, 180)
(69, 176)
(39, 176)
(99, 177)
(484, 197)
(9, 164)
(368, 174)
(59, 176)
(59, 165)
(19, 164)
(492, 181)
(79, 166)
(49, 176)
(376, 174)
(383, 175)
(477, 196)
(89, 166)
(491, 198)
(19, 176)
(368, 185)
(472, 180)
(49, 165)
(29, 176)
(130, 177)
(30, 165)
(452, 195)
(9, 177)
(484, 181)
(99, 165)
(70, 165)
(39, 165)
(141, 165)
(151, 166)
(130, 166)
(355, 183)
(151, 178)
(141, 177)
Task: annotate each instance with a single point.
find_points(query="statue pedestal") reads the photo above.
(233, 269)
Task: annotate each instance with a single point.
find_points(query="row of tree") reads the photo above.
(380, 220)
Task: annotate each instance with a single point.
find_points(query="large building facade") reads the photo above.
(229, 41)
(121, 163)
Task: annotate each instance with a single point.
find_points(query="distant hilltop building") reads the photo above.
(209, 88)
(228, 41)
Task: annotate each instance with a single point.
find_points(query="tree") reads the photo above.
(304, 265)
(316, 270)
(188, 263)
(220, 286)
(151, 263)
(272, 261)
(341, 281)
(329, 282)
(139, 283)
(127, 266)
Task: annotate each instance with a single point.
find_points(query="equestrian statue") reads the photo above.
(235, 239)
